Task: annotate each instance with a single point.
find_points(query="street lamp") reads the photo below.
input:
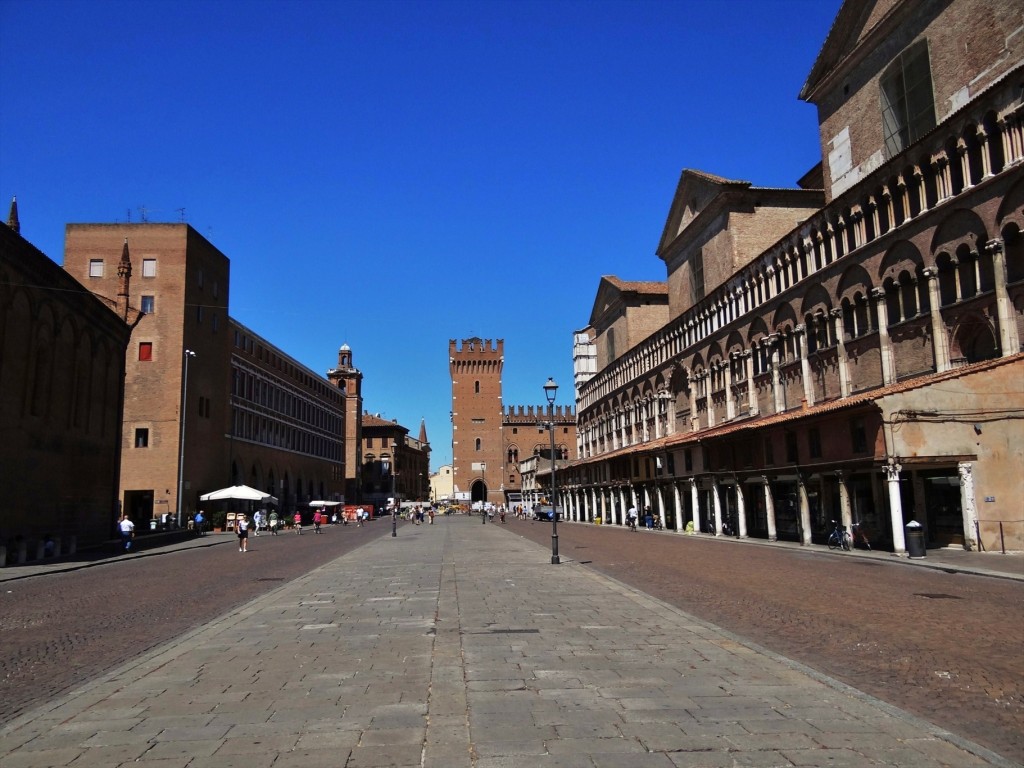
(181, 448)
(483, 493)
(550, 389)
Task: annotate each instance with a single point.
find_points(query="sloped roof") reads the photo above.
(611, 290)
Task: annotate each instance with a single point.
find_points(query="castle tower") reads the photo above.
(349, 378)
(477, 453)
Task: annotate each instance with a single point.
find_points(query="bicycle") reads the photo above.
(840, 537)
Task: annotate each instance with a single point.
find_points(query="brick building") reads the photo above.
(489, 439)
(62, 361)
(851, 352)
(395, 465)
(252, 414)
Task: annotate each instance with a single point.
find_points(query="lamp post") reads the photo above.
(395, 506)
(483, 493)
(181, 447)
(550, 389)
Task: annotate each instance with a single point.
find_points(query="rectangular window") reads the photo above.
(199, 314)
(147, 304)
(149, 267)
(95, 267)
(769, 451)
(216, 323)
(792, 455)
(814, 440)
(697, 277)
(858, 437)
(145, 350)
(141, 438)
(688, 460)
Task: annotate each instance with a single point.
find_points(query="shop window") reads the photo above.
(141, 437)
(145, 350)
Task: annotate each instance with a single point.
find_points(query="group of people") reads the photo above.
(651, 522)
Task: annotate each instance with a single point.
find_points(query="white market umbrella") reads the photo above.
(239, 492)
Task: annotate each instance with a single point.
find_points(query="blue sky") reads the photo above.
(395, 174)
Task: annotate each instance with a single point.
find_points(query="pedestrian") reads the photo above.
(273, 523)
(127, 530)
(648, 519)
(631, 518)
(501, 513)
(198, 521)
(317, 519)
(242, 525)
(298, 522)
(430, 512)
(257, 521)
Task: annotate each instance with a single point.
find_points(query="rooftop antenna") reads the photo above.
(143, 210)
(129, 215)
(181, 214)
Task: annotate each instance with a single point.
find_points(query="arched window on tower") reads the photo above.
(476, 387)
(478, 443)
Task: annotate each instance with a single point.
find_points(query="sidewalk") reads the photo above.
(458, 645)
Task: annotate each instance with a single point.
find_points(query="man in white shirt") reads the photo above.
(127, 529)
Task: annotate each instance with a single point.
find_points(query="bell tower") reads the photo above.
(477, 461)
(350, 379)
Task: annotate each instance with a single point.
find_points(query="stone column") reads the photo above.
(968, 505)
(730, 396)
(885, 347)
(892, 479)
(677, 503)
(1008, 337)
(741, 511)
(842, 359)
(805, 365)
(844, 501)
(716, 502)
(748, 364)
(805, 511)
(769, 508)
(940, 344)
(695, 503)
(660, 491)
(773, 364)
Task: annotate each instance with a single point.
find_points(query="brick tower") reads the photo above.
(349, 378)
(477, 465)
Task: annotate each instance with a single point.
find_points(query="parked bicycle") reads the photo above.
(840, 537)
(859, 536)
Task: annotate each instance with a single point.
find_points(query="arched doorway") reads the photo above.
(478, 492)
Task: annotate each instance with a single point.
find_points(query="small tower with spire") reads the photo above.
(124, 278)
(12, 217)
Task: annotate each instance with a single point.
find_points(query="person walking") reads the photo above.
(127, 530)
(648, 519)
(317, 519)
(242, 525)
(273, 523)
(298, 522)
(257, 522)
(631, 518)
(198, 521)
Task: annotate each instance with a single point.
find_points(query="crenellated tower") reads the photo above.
(475, 366)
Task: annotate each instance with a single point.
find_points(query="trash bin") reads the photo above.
(915, 540)
(152, 524)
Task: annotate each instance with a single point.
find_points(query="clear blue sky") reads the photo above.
(391, 174)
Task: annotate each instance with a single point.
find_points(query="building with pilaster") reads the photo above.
(850, 349)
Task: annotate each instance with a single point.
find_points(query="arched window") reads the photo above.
(478, 443)
(476, 387)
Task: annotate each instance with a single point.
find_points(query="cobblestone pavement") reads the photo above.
(946, 646)
(459, 646)
(62, 628)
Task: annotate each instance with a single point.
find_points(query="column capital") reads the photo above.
(994, 246)
(930, 272)
(892, 471)
(877, 293)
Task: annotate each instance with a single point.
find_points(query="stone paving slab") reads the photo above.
(461, 645)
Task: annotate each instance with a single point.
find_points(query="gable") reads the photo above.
(694, 193)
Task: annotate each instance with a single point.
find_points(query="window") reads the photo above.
(147, 304)
(908, 106)
(199, 314)
(814, 442)
(95, 267)
(858, 436)
(476, 387)
(792, 456)
(141, 438)
(145, 350)
(369, 442)
(769, 451)
(697, 277)
(149, 267)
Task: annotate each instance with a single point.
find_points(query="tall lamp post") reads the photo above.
(181, 448)
(550, 389)
(483, 493)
